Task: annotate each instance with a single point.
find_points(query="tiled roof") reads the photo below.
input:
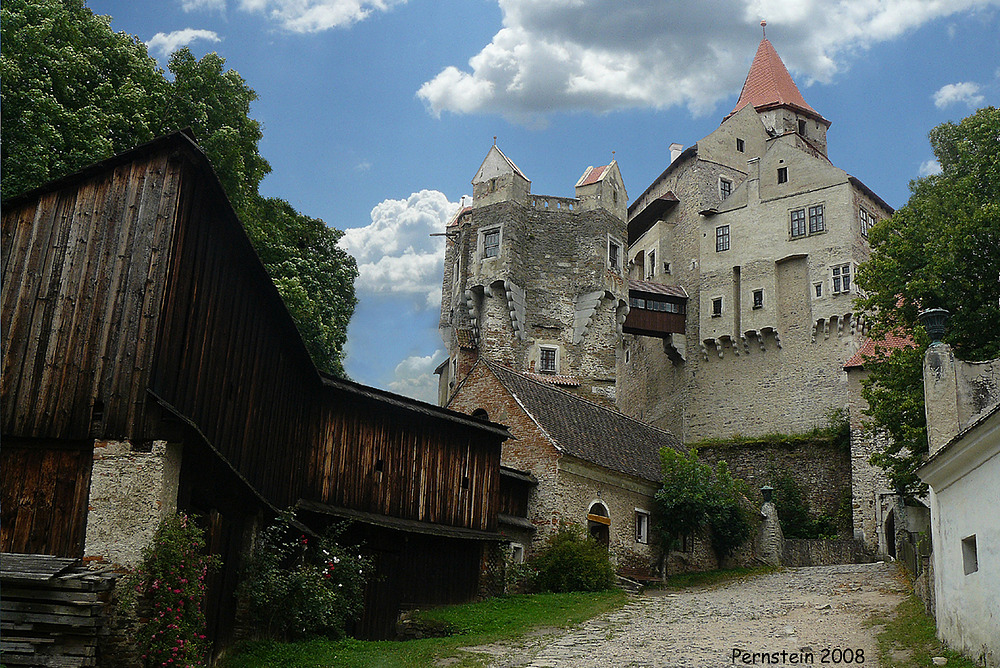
(769, 85)
(870, 347)
(458, 216)
(587, 431)
(593, 176)
(554, 379)
(657, 288)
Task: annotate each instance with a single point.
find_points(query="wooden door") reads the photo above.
(44, 487)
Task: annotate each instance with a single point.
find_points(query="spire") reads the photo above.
(769, 85)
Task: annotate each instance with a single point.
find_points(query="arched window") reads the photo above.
(481, 414)
(599, 522)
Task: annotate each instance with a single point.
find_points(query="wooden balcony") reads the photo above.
(655, 309)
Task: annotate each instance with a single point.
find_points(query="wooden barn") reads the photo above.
(149, 364)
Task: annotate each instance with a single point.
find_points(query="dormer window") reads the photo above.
(725, 187)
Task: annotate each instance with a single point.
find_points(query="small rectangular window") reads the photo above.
(725, 188)
(819, 289)
(651, 272)
(867, 220)
(758, 299)
(636, 302)
(782, 174)
(614, 256)
(547, 360)
(517, 553)
(798, 223)
(740, 145)
(641, 526)
(721, 238)
(802, 127)
(717, 307)
(491, 242)
(970, 559)
(816, 223)
(842, 279)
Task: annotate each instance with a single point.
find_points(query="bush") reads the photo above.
(794, 513)
(170, 583)
(295, 586)
(572, 561)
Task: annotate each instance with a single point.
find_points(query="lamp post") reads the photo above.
(766, 492)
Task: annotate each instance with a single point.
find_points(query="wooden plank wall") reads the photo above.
(43, 496)
(82, 285)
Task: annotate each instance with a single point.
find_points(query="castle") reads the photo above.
(720, 302)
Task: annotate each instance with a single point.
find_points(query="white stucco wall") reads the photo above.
(965, 499)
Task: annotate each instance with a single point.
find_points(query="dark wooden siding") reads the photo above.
(653, 323)
(43, 496)
(83, 279)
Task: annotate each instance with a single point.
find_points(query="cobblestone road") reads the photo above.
(819, 611)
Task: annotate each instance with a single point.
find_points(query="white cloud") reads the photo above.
(965, 92)
(318, 15)
(396, 253)
(167, 43)
(603, 55)
(208, 5)
(930, 167)
(415, 378)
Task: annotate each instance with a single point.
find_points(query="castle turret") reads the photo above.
(537, 282)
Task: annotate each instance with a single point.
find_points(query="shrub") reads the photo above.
(794, 513)
(572, 561)
(170, 583)
(296, 586)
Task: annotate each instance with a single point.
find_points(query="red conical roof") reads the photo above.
(769, 85)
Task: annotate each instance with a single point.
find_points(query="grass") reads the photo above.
(909, 640)
(711, 578)
(502, 618)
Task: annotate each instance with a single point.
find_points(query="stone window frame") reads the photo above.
(482, 249)
(542, 349)
(517, 553)
(642, 526)
(840, 278)
(650, 263)
(616, 266)
(970, 556)
(782, 174)
(758, 298)
(818, 289)
(725, 187)
(722, 239)
(717, 312)
(740, 145)
(797, 223)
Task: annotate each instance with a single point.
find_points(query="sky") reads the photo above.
(378, 113)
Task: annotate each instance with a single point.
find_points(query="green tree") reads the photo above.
(75, 92)
(694, 497)
(938, 251)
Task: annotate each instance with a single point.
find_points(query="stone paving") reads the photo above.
(811, 615)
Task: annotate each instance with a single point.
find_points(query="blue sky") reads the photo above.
(377, 113)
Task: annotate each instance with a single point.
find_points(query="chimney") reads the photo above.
(675, 151)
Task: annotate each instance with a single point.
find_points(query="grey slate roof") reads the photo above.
(588, 431)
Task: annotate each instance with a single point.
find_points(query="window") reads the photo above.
(819, 289)
(717, 307)
(816, 219)
(798, 223)
(547, 359)
(636, 302)
(725, 188)
(721, 238)
(614, 255)
(651, 272)
(641, 526)
(687, 543)
(628, 355)
(782, 174)
(867, 221)
(970, 560)
(666, 267)
(841, 278)
(517, 553)
(491, 242)
(758, 299)
(740, 145)
(802, 127)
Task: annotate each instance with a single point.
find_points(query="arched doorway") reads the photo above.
(599, 523)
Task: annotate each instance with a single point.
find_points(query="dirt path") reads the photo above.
(799, 615)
